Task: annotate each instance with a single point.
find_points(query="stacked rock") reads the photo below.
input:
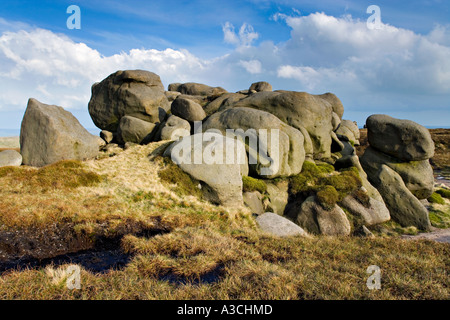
(397, 164)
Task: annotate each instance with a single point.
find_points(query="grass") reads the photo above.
(192, 249)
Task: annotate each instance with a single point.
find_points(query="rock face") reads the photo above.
(279, 196)
(402, 139)
(279, 226)
(300, 110)
(223, 101)
(187, 109)
(315, 219)
(207, 157)
(135, 130)
(403, 206)
(284, 156)
(174, 128)
(135, 93)
(49, 134)
(196, 89)
(350, 130)
(10, 158)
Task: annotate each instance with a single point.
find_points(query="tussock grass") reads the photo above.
(198, 250)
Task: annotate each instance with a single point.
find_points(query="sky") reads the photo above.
(400, 67)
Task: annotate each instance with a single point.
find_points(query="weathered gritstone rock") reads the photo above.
(335, 102)
(374, 213)
(10, 158)
(223, 101)
(417, 175)
(174, 128)
(260, 86)
(196, 89)
(187, 109)
(403, 206)
(315, 219)
(134, 93)
(206, 157)
(278, 195)
(253, 200)
(350, 130)
(49, 134)
(279, 226)
(135, 130)
(285, 155)
(402, 139)
(299, 110)
(107, 136)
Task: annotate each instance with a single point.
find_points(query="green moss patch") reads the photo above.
(436, 198)
(250, 184)
(445, 193)
(440, 219)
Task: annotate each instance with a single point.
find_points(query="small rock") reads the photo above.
(106, 135)
(362, 231)
(279, 226)
(10, 158)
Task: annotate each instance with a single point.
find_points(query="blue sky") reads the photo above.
(402, 69)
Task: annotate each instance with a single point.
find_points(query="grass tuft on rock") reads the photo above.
(250, 184)
(328, 197)
(174, 175)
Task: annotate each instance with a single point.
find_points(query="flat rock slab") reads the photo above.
(279, 226)
(440, 235)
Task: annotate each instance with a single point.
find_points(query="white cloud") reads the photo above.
(368, 69)
(244, 38)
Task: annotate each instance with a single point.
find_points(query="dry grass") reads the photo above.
(202, 252)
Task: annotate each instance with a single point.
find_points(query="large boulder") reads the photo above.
(402, 139)
(315, 219)
(10, 158)
(335, 102)
(49, 134)
(136, 93)
(403, 206)
(279, 226)
(417, 175)
(217, 161)
(187, 109)
(300, 110)
(196, 89)
(135, 130)
(283, 156)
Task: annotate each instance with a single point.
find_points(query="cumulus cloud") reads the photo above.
(244, 38)
(367, 69)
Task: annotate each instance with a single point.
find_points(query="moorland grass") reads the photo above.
(205, 251)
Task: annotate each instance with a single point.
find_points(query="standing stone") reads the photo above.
(49, 134)
(135, 93)
(10, 158)
(187, 109)
(402, 139)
